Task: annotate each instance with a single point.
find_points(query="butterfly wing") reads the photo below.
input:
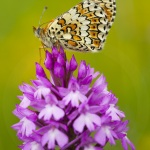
(85, 26)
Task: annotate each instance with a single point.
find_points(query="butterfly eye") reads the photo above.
(38, 31)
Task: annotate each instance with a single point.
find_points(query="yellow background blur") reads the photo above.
(125, 61)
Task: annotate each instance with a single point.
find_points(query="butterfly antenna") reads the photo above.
(45, 8)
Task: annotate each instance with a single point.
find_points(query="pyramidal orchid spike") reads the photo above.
(63, 110)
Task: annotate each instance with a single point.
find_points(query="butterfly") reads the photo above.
(83, 28)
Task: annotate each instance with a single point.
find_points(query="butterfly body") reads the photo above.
(82, 28)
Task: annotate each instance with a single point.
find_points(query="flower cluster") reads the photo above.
(66, 111)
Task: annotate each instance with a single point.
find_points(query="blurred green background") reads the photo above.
(125, 61)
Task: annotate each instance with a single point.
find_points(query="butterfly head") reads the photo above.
(41, 35)
(38, 32)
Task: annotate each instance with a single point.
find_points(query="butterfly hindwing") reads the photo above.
(85, 26)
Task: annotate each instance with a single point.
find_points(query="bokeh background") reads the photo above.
(125, 61)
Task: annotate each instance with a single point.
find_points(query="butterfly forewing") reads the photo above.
(85, 26)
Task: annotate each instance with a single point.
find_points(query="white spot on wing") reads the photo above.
(67, 36)
(99, 13)
(66, 15)
(92, 8)
(85, 22)
(100, 36)
(75, 17)
(84, 27)
(87, 40)
(81, 19)
(103, 21)
(72, 12)
(101, 28)
(84, 33)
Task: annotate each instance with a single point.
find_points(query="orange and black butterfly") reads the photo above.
(83, 28)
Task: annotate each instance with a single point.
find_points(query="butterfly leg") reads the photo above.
(42, 47)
